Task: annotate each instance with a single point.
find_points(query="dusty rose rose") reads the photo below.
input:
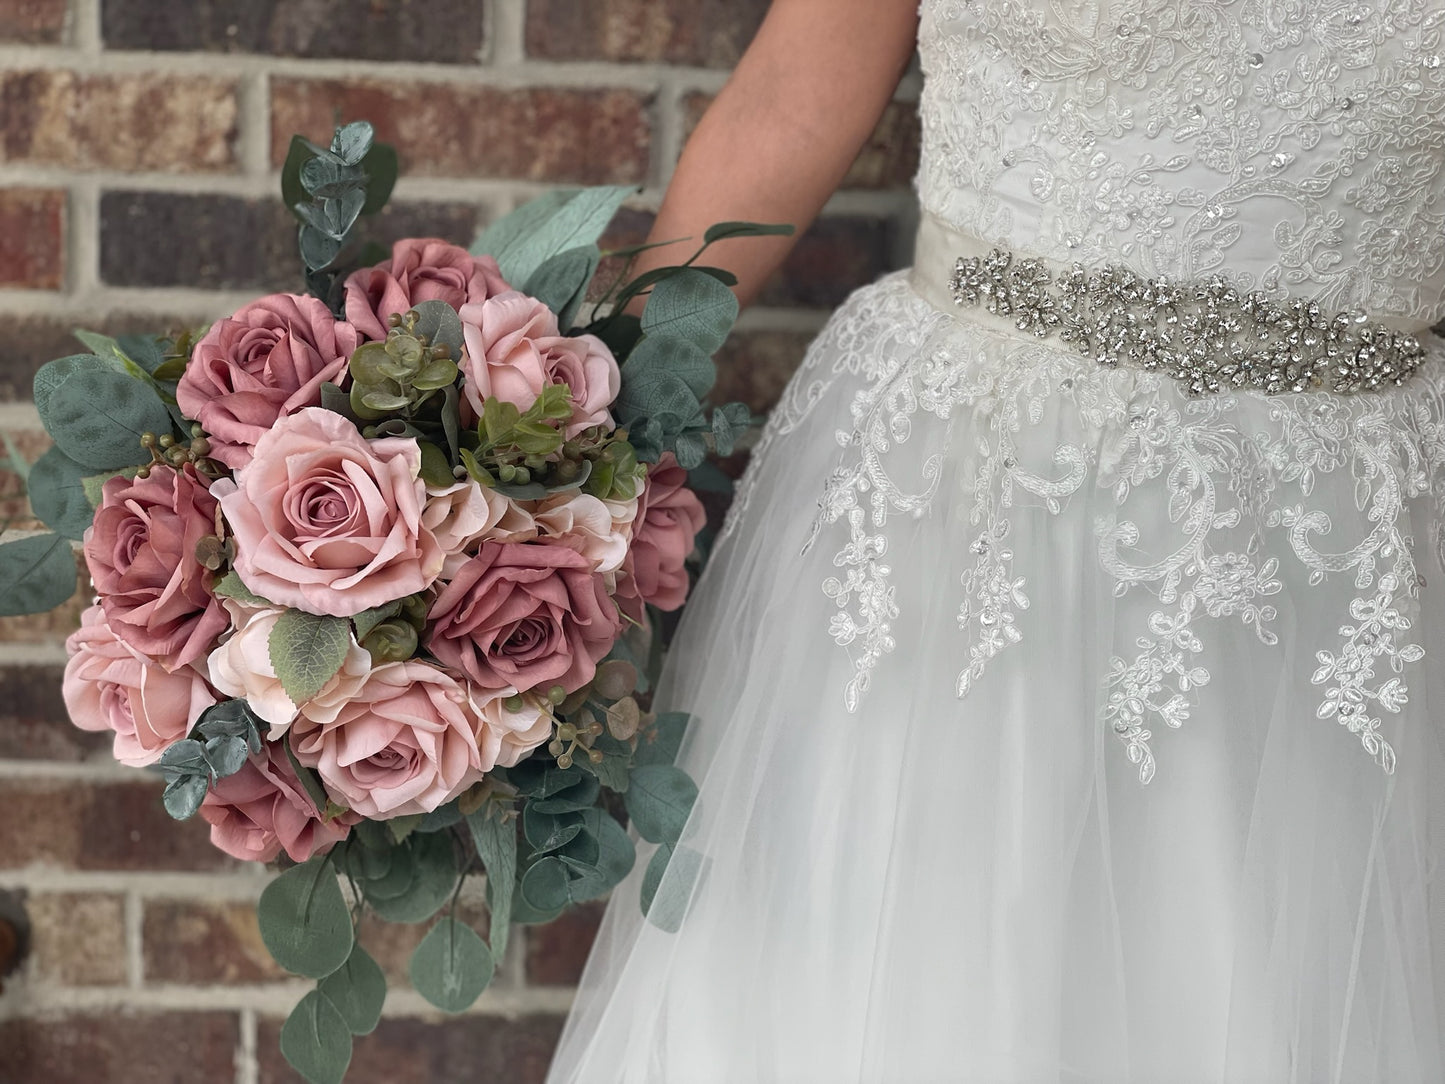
(141, 550)
(524, 617)
(669, 516)
(241, 667)
(583, 523)
(329, 522)
(109, 685)
(514, 350)
(263, 809)
(420, 269)
(405, 743)
(268, 360)
(504, 736)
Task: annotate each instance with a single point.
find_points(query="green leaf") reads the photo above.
(434, 878)
(230, 586)
(310, 781)
(93, 485)
(659, 800)
(539, 777)
(57, 494)
(560, 282)
(401, 827)
(352, 141)
(227, 755)
(436, 468)
(358, 990)
(545, 885)
(653, 393)
(381, 166)
(495, 838)
(97, 417)
(661, 744)
(147, 351)
(579, 220)
(452, 966)
(367, 620)
(690, 449)
(680, 358)
(513, 229)
(184, 794)
(316, 1040)
(108, 349)
(317, 248)
(675, 871)
(548, 831)
(729, 422)
(720, 231)
(599, 859)
(298, 154)
(307, 650)
(305, 921)
(36, 574)
(441, 325)
(692, 306)
(582, 795)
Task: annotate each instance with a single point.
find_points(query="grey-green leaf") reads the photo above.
(230, 586)
(57, 494)
(720, 231)
(183, 795)
(558, 226)
(441, 325)
(316, 1040)
(307, 650)
(653, 393)
(561, 282)
(358, 990)
(97, 417)
(452, 966)
(352, 141)
(496, 842)
(692, 306)
(36, 574)
(668, 885)
(681, 358)
(433, 879)
(304, 920)
(659, 800)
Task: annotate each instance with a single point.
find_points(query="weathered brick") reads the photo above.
(557, 950)
(166, 123)
(753, 367)
(235, 244)
(392, 943)
(709, 33)
(115, 826)
(836, 256)
(30, 444)
(586, 136)
(78, 939)
(440, 31)
(157, 1048)
(406, 1050)
(200, 943)
(33, 22)
(32, 238)
(33, 724)
(888, 158)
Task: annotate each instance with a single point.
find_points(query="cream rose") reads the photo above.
(583, 523)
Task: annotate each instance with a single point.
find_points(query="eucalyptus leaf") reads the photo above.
(440, 818)
(441, 325)
(495, 838)
(546, 886)
(107, 348)
(681, 358)
(729, 422)
(336, 400)
(351, 142)
(599, 859)
(668, 884)
(692, 306)
(57, 494)
(310, 781)
(561, 281)
(298, 154)
(304, 920)
(381, 167)
(97, 417)
(654, 393)
(317, 249)
(540, 777)
(183, 795)
(36, 574)
(659, 800)
(358, 990)
(227, 755)
(690, 449)
(579, 220)
(93, 485)
(146, 351)
(452, 966)
(434, 861)
(546, 832)
(583, 795)
(307, 650)
(316, 1040)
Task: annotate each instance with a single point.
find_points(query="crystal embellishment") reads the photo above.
(1205, 334)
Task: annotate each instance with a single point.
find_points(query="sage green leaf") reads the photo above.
(358, 990)
(304, 920)
(307, 650)
(183, 795)
(654, 393)
(57, 494)
(336, 400)
(226, 755)
(582, 795)
(690, 449)
(442, 817)
(436, 468)
(310, 781)
(109, 350)
(720, 231)
(612, 771)
(93, 485)
(495, 838)
(668, 885)
(545, 885)
(599, 859)
(97, 417)
(434, 864)
(53, 373)
(401, 827)
(36, 574)
(677, 356)
(516, 226)
(230, 586)
(660, 744)
(316, 1040)
(692, 306)
(146, 351)
(441, 325)
(352, 141)
(381, 167)
(318, 249)
(540, 777)
(579, 220)
(390, 874)
(561, 281)
(367, 620)
(659, 800)
(452, 966)
(298, 154)
(328, 176)
(548, 831)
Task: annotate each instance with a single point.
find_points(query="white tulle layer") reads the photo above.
(936, 887)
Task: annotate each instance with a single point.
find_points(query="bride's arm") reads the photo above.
(784, 130)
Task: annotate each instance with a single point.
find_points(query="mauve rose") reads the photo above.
(263, 809)
(141, 549)
(109, 685)
(669, 516)
(504, 736)
(405, 743)
(514, 350)
(583, 523)
(524, 616)
(420, 269)
(328, 522)
(268, 360)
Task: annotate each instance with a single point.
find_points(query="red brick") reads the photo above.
(33, 724)
(557, 950)
(585, 136)
(406, 1050)
(753, 367)
(78, 939)
(115, 826)
(710, 33)
(31, 444)
(32, 341)
(120, 1046)
(52, 627)
(32, 238)
(33, 22)
(201, 943)
(888, 158)
(166, 123)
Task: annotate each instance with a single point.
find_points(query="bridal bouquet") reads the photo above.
(377, 572)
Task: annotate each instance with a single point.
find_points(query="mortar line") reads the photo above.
(85, 30)
(134, 941)
(248, 1070)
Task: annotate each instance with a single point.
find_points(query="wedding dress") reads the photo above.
(1067, 687)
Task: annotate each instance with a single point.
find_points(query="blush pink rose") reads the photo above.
(263, 809)
(268, 360)
(420, 269)
(109, 685)
(669, 516)
(328, 522)
(141, 549)
(583, 523)
(524, 617)
(514, 350)
(405, 743)
(504, 736)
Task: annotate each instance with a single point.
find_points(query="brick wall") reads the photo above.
(139, 144)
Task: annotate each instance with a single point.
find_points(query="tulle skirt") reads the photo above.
(1050, 726)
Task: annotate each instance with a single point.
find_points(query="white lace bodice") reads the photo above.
(1294, 146)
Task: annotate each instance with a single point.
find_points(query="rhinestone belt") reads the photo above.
(1205, 334)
